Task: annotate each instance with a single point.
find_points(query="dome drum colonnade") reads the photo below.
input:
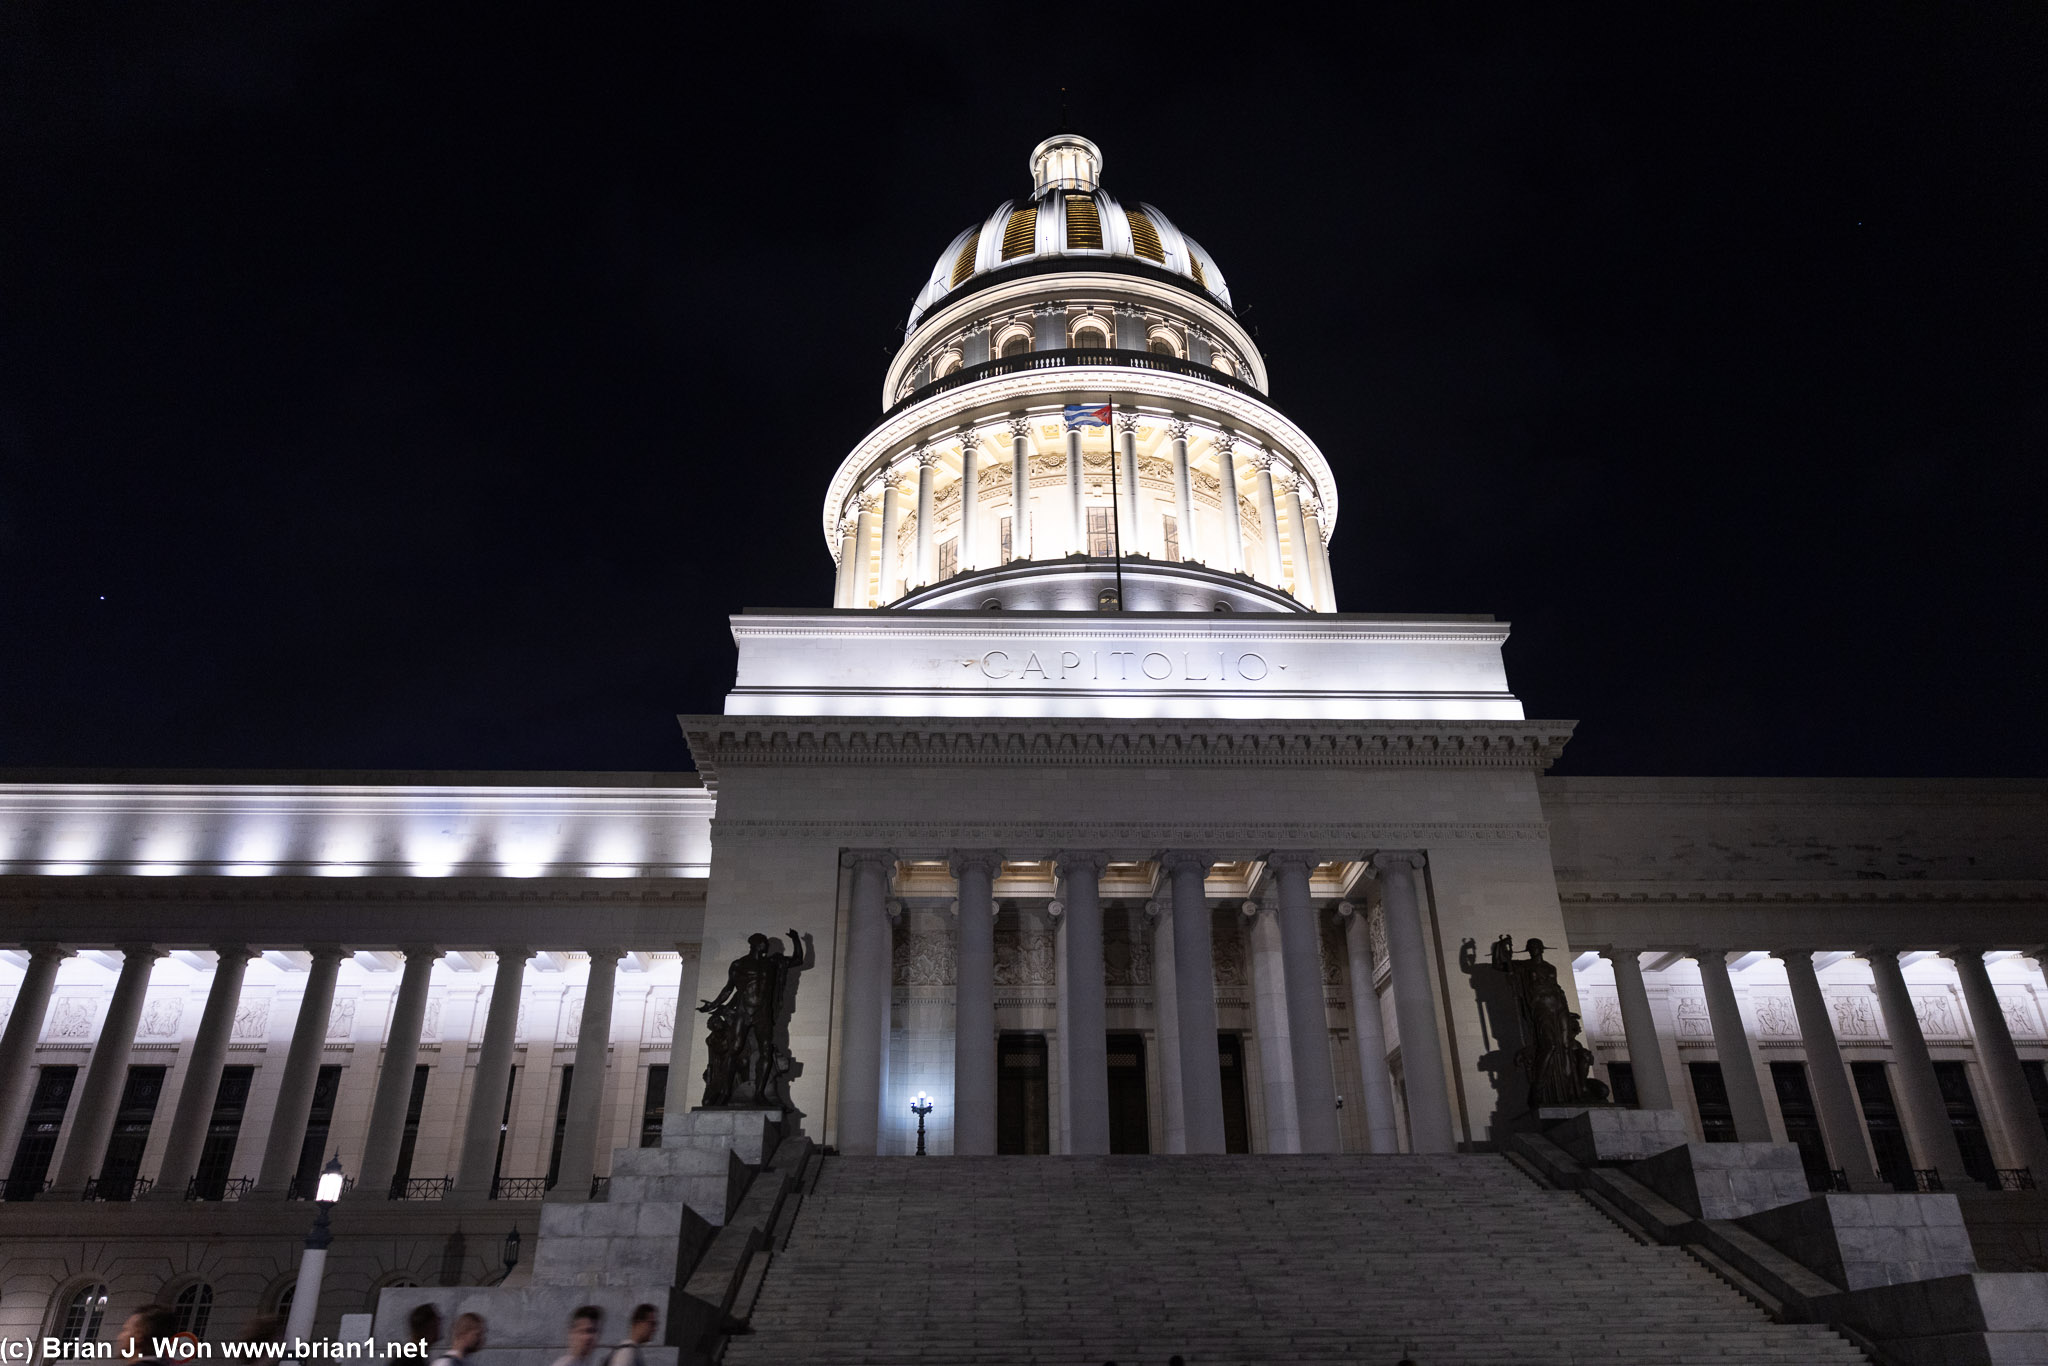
(1197, 469)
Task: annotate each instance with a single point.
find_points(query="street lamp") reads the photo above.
(511, 1254)
(921, 1107)
(313, 1264)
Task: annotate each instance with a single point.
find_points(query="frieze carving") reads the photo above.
(2021, 1017)
(6, 1009)
(1775, 1017)
(1226, 951)
(1937, 1016)
(1607, 1021)
(71, 1019)
(161, 1017)
(569, 1024)
(922, 955)
(1330, 943)
(1693, 1020)
(430, 1021)
(341, 1019)
(252, 1020)
(1024, 952)
(1126, 951)
(661, 1018)
(1855, 1017)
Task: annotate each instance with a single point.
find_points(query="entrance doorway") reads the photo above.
(1237, 1127)
(1130, 1122)
(1022, 1099)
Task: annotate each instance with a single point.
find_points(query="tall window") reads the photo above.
(561, 1123)
(949, 557)
(223, 1128)
(313, 1152)
(1710, 1093)
(1088, 339)
(1621, 1079)
(1881, 1118)
(1802, 1122)
(1102, 532)
(1954, 1080)
(194, 1306)
(1007, 553)
(83, 1314)
(656, 1104)
(123, 1159)
(413, 1105)
(505, 1123)
(1170, 537)
(39, 1131)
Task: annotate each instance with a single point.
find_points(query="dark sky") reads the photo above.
(392, 388)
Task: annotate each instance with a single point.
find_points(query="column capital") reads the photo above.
(927, 458)
(1261, 460)
(1249, 908)
(512, 951)
(1055, 908)
(431, 952)
(1174, 859)
(1157, 907)
(609, 953)
(1127, 422)
(970, 438)
(1348, 908)
(1294, 858)
(1970, 951)
(1225, 440)
(137, 948)
(44, 948)
(893, 907)
(1072, 860)
(1020, 427)
(1398, 858)
(1612, 951)
(1177, 428)
(854, 858)
(988, 860)
(232, 949)
(327, 949)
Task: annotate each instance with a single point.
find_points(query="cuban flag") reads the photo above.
(1086, 415)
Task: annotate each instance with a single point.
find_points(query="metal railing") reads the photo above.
(1926, 1180)
(234, 1188)
(2013, 1179)
(1066, 356)
(116, 1188)
(519, 1187)
(421, 1187)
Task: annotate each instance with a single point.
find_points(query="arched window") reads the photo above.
(1017, 345)
(1160, 347)
(1088, 339)
(83, 1314)
(194, 1307)
(283, 1307)
(946, 365)
(1219, 361)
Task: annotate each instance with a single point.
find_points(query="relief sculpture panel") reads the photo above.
(1024, 951)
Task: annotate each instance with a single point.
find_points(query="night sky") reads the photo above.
(384, 388)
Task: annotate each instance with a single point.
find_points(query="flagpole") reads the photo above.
(1116, 506)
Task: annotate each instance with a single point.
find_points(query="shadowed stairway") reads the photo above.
(1265, 1259)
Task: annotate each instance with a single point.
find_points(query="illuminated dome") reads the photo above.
(1068, 215)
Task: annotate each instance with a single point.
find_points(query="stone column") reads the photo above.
(1375, 1082)
(202, 1074)
(892, 532)
(1926, 1114)
(1731, 1044)
(1166, 1014)
(1077, 533)
(93, 1123)
(1308, 588)
(1645, 1053)
(18, 1043)
(1308, 1020)
(969, 557)
(974, 1006)
(864, 1048)
(2001, 1063)
(485, 1122)
(1269, 514)
(1415, 1008)
(682, 1076)
(1137, 537)
(1233, 525)
(927, 544)
(394, 1075)
(1086, 1037)
(1020, 488)
(580, 1130)
(849, 563)
(865, 539)
(1183, 489)
(1311, 517)
(301, 1074)
(1269, 1018)
(1840, 1122)
(1194, 978)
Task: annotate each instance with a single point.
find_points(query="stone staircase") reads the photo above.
(1266, 1259)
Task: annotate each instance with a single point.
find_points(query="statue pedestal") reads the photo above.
(1599, 1134)
(750, 1132)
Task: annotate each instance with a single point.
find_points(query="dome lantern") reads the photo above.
(1065, 161)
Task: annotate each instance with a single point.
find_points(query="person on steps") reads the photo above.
(584, 1325)
(639, 1332)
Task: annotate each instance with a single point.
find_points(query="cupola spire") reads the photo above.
(1065, 161)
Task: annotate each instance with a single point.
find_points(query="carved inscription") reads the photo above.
(1117, 667)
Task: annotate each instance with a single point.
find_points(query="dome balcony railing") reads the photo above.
(1054, 360)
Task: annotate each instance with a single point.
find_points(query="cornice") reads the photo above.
(726, 742)
(941, 415)
(1234, 839)
(100, 887)
(1322, 629)
(1836, 892)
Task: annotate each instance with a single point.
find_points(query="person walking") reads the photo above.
(465, 1342)
(585, 1323)
(639, 1332)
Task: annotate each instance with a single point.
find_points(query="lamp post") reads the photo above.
(921, 1107)
(313, 1264)
(511, 1254)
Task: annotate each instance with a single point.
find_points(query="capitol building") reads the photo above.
(1086, 813)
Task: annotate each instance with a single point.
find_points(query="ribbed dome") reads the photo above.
(1068, 216)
